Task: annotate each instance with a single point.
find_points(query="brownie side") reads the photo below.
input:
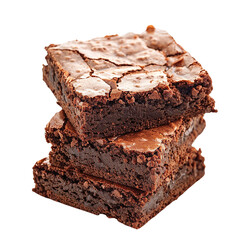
(105, 93)
(128, 205)
(141, 160)
(114, 118)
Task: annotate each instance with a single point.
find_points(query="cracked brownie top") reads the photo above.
(131, 63)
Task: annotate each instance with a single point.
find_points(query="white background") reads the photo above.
(209, 30)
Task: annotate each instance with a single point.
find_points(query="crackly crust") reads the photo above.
(96, 67)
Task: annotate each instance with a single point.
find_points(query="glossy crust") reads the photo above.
(128, 205)
(114, 85)
(141, 160)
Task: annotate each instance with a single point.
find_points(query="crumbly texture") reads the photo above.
(141, 160)
(118, 84)
(128, 205)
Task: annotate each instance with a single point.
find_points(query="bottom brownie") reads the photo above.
(128, 205)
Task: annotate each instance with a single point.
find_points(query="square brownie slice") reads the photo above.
(128, 205)
(141, 160)
(114, 85)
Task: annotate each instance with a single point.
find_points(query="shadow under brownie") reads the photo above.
(141, 160)
(128, 205)
(118, 84)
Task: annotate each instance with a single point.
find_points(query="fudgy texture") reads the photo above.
(118, 84)
(141, 160)
(128, 205)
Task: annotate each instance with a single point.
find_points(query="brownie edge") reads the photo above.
(128, 205)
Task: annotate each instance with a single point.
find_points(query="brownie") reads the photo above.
(114, 85)
(141, 160)
(128, 205)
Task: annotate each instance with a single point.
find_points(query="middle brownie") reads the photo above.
(142, 160)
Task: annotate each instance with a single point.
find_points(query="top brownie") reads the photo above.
(118, 84)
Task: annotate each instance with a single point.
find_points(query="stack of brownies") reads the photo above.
(132, 107)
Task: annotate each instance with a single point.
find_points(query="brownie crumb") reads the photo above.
(116, 193)
(150, 29)
(86, 184)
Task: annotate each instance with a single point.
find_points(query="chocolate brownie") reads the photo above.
(119, 84)
(128, 205)
(141, 160)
